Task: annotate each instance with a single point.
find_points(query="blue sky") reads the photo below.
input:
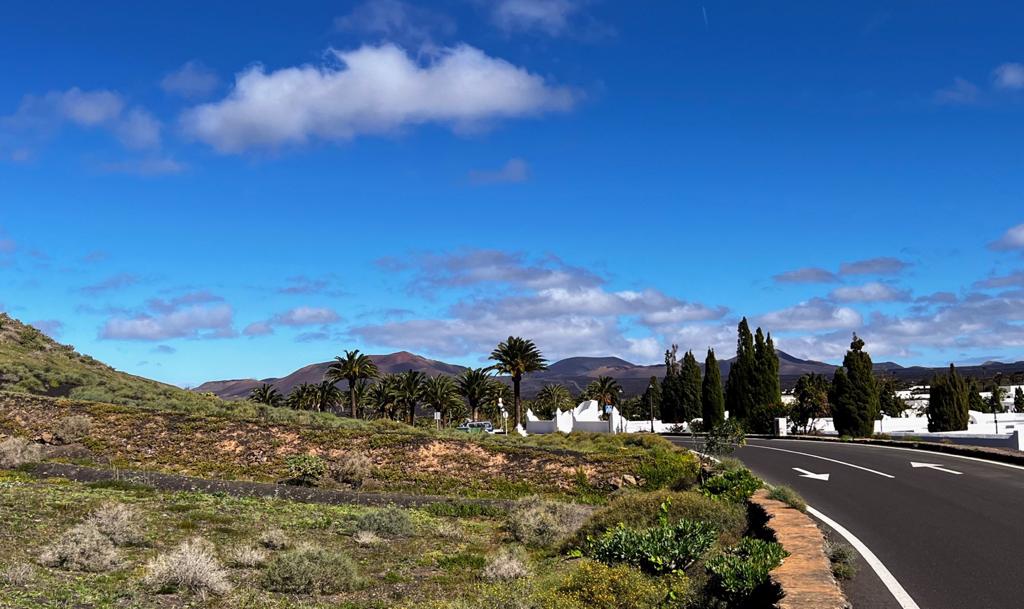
(191, 192)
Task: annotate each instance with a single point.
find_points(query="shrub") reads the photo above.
(736, 485)
(598, 586)
(739, 573)
(788, 496)
(191, 566)
(656, 550)
(463, 509)
(668, 467)
(508, 564)
(247, 557)
(275, 539)
(82, 548)
(18, 574)
(843, 558)
(119, 522)
(308, 570)
(642, 510)
(15, 452)
(391, 521)
(307, 470)
(72, 429)
(544, 524)
(353, 469)
(366, 538)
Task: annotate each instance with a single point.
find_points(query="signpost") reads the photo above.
(437, 417)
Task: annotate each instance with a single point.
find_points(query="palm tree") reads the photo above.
(474, 385)
(352, 367)
(382, 397)
(409, 392)
(302, 397)
(552, 398)
(328, 396)
(266, 394)
(442, 394)
(605, 390)
(518, 356)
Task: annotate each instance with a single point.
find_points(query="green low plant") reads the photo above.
(738, 573)
(391, 521)
(736, 485)
(544, 524)
(788, 496)
(311, 570)
(657, 550)
(668, 467)
(843, 559)
(594, 585)
(306, 469)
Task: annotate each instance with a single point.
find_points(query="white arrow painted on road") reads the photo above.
(806, 474)
(935, 466)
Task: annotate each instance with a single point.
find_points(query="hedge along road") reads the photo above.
(949, 529)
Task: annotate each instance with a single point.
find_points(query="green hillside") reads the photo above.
(31, 362)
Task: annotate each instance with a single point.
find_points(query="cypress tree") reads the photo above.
(671, 390)
(740, 386)
(948, 402)
(770, 373)
(711, 398)
(1018, 399)
(854, 394)
(651, 397)
(974, 400)
(689, 375)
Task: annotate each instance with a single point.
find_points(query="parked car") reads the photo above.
(476, 427)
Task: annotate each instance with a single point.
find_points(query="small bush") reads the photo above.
(656, 550)
(19, 574)
(309, 570)
(15, 452)
(366, 538)
(391, 521)
(72, 429)
(119, 522)
(668, 467)
(463, 509)
(640, 510)
(594, 585)
(308, 470)
(508, 564)
(843, 558)
(544, 524)
(247, 557)
(737, 485)
(191, 566)
(788, 496)
(82, 548)
(742, 571)
(275, 539)
(353, 470)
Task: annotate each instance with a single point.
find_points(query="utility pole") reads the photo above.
(650, 403)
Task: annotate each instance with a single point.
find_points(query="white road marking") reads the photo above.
(806, 474)
(876, 472)
(935, 466)
(894, 587)
(916, 450)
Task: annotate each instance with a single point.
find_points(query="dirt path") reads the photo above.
(174, 482)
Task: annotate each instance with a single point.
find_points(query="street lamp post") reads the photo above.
(650, 403)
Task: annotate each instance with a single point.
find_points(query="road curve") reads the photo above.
(950, 530)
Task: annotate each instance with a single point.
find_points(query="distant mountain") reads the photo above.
(577, 372)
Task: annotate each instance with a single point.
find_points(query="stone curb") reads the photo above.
(806, 575)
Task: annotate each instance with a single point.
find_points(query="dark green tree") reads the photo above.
(811, 393)
(515, 357)
(689, 403)
(671, 387)
(1018, 399)
(473, 384)
(948, 402)
(974, 400)
(888, 402)
(353, 367)
(769, 390)
(266, 394)
(741, 384)
(604, 389)
(712, 400)
(650, 401)
(854, 396)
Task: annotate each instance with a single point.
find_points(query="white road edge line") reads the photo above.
(915, 450)
(894, 587)
(823, 459)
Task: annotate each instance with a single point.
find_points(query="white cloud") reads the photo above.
(114, 282)
(138, 129)
(874, 266)
(548, 16)
(196, 321)
(192, 80)
(1012, 239)
(1009, 76)
(806, 275)
(258, 328)
(870, 292)
(961, 92)
(305, 316)
(87, 108)
(513, 171)
(814, 315)
(396, 21)
(1009, 280)
(371, 90)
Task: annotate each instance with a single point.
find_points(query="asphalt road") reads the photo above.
(953, 541)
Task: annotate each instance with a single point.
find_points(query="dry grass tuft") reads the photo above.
(544, 524)
(508, 564)
(191, 566)
(119, 522)
(247, 557)
(18, 574)
(275, 539)
(366, 538)
(82, 548)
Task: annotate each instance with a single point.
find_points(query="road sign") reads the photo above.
(437, 416)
